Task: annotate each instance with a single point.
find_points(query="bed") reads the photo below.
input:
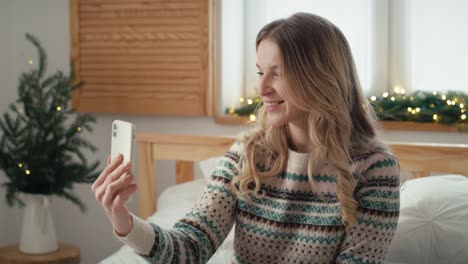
(433, 225)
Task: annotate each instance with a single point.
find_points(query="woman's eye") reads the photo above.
(259, 73)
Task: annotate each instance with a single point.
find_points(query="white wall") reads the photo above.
(4, 93)
(48, 20)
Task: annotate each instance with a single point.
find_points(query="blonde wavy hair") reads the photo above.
(319, 67)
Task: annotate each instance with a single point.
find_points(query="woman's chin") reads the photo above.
(275, 121)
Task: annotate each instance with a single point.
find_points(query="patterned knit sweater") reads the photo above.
(289, 224)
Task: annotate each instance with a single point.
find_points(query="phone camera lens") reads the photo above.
(114, 134)
(115, 126)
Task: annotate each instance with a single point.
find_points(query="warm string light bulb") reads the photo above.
(413, 111)
(463, 117)
(399, 90)
(249, 101)
(20, 165)
(434, 116)
(385, 95)
(241, 99)
(373, 98)
(59, 108)
(252, 117)
(30, 62)
(78, 129)
(392, 98)
(27, 172)
(231, 110)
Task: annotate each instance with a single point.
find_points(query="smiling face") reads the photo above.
(272, 86)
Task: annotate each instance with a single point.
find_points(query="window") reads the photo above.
(436, 44)
(410, 44)
(242, 19)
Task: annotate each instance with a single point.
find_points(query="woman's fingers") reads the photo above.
(108, 159)
(118, 172)
(123, 196)
(115, 176)
(114, 188)
(109, 168)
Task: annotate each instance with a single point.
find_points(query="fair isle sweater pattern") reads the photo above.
(290, 223)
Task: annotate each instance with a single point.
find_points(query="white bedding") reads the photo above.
(425, 204)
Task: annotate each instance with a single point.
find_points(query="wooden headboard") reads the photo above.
(417, 158)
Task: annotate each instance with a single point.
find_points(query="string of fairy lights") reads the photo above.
(447, 108)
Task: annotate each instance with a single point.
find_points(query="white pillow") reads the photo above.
(208, 166)
(433, 224)
(175, 201)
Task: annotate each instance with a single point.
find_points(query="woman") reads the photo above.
(311, 184)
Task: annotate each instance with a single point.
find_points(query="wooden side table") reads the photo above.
(66, 254)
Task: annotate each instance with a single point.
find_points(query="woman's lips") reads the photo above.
(272, 105)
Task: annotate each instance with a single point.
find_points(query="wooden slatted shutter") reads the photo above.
(142, 56)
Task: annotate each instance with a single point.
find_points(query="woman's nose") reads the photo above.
(264, 86)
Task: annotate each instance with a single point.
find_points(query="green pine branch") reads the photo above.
(41, 151)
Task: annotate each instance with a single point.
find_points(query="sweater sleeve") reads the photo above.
(378, 197)
(196, 237)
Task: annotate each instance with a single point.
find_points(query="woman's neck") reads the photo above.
(299, 137)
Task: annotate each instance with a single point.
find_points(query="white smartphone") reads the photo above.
(123, 138)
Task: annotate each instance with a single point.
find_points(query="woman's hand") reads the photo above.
(112, 189)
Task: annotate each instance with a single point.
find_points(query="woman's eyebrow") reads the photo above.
(273, 67)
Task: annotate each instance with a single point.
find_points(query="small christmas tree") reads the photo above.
(41, 150)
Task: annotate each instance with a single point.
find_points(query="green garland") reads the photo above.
(424, 107)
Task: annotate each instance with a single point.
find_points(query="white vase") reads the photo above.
(38, 232)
